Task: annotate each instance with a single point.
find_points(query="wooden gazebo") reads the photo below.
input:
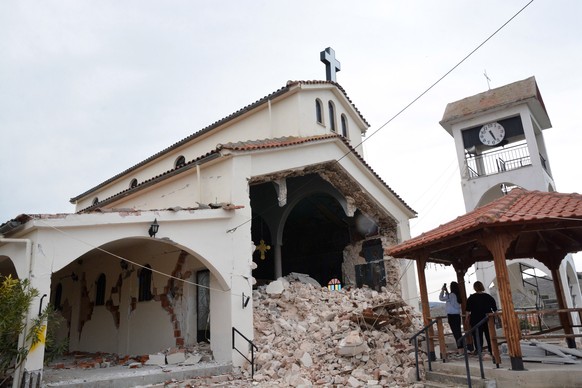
(522, 224)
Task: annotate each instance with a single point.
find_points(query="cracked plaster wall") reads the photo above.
(123, 324)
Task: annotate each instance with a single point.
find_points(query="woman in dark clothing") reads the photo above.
(478, 306)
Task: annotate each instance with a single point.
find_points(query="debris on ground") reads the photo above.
(310, 336)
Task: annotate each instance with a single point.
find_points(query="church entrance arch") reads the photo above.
(314, 237)
(306, 224)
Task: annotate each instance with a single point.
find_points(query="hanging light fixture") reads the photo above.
(153, 230)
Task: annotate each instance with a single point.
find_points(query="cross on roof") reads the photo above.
(332, 65)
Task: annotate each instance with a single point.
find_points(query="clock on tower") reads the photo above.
(491, 134)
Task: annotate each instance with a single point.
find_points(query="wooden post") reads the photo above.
(441, 335)
(420, 267)
(497, 243)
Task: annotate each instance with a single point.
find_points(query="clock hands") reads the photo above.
(492, 135)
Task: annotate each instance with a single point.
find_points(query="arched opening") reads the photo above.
(314, 237)
(100, 290)
(7, 267)
(113, 297)
(318, 111)
(180, 161)
(145, 284)
(331, 107)
(344, 124)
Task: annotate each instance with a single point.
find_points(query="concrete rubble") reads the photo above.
(306, 336)
(311, 336)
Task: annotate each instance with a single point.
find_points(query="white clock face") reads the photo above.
(491, 134)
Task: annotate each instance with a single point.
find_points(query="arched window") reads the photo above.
(100, 292)
(57, 303)
(180, 161)
(318, 111)
(331, 116)
(145, 284)
(133, 183)
(95, 201)
(344, 124)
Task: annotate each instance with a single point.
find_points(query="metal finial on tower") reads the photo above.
(487, 78)
(332, 65)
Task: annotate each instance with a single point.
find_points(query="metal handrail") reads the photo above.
(463, 341)
(253, 348)
(415, 339)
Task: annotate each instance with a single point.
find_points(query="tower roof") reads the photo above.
(520, 92)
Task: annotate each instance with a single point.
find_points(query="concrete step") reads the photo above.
(454, 380)
(122, 377)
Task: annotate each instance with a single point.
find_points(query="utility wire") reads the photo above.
(337, 161)
(417, 98)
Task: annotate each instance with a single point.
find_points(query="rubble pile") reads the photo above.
(311, 336)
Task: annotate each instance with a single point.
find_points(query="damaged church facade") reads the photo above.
(167, 252)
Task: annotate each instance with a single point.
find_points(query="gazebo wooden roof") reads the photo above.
(522, 224)
(544, 225)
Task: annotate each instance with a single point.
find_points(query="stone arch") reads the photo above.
(323, 189)
(169, 313)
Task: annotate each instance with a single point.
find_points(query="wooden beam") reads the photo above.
(420, 267)
(498, 245)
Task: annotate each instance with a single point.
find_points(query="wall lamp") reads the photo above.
(153, 230)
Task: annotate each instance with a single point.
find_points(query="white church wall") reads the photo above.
(99, 334)
(291, 116)
(149, 329)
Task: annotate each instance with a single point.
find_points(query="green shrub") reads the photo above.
(15, 298)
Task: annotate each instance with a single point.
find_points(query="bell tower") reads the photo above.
(500, 145)
(499, 141)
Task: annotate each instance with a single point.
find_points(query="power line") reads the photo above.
(415, 99)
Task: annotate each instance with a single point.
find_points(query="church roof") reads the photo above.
(544, 221)
(524, 91)
(287, 88)
(250, 145)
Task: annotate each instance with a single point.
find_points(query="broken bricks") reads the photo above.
(306, 336)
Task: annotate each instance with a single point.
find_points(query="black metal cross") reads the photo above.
(332, 65)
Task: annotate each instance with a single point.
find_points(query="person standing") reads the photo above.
(478, 306)
(453, 310)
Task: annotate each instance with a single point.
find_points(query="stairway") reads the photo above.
(443, 379)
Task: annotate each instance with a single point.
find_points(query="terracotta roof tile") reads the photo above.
(519, 206)
(244, 146)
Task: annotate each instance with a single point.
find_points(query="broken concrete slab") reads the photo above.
(276, 287)
(193, 359)
(156, 359)
(176, 358)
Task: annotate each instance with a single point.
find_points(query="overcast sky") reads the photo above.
(90, 88)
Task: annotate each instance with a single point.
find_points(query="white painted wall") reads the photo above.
(293, 115)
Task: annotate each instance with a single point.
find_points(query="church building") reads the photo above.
(167, 252)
